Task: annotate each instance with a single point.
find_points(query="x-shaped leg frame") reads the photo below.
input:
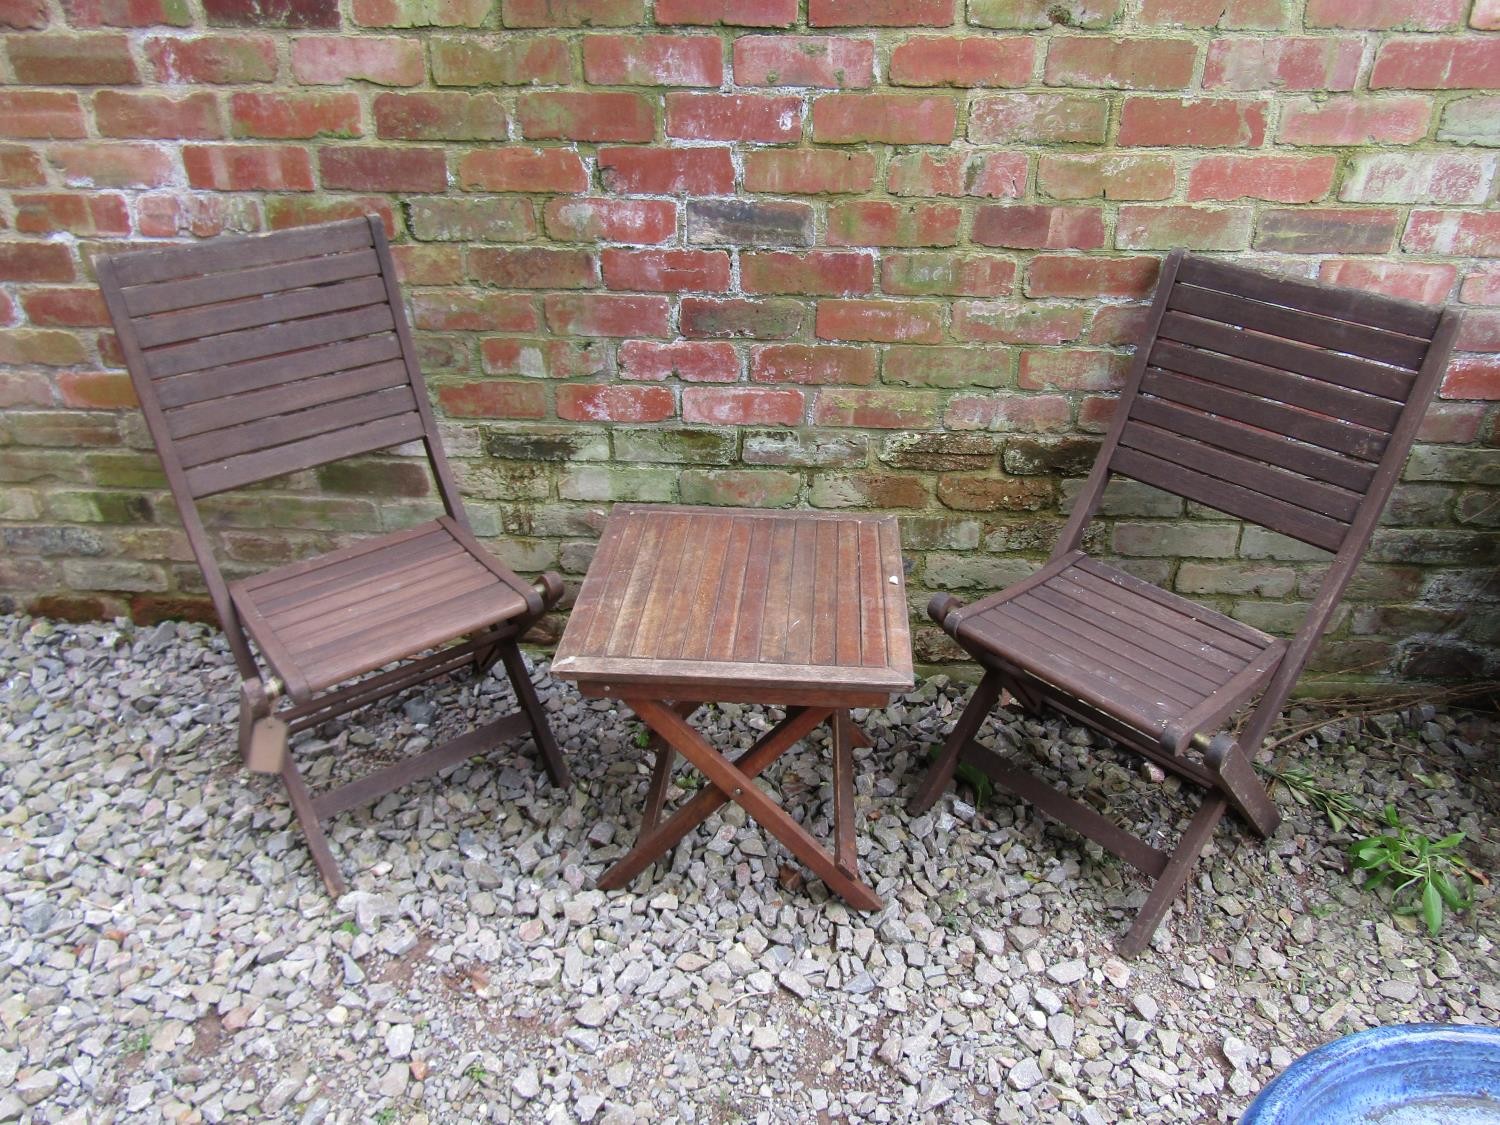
(734, 781)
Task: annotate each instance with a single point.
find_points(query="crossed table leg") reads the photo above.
(734, 781)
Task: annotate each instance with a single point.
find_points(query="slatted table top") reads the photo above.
(742, 605)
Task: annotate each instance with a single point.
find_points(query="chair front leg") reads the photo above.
(940, 773)
(520, 680)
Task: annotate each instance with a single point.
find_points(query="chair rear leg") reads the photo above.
(1174, 878)
(520, 679)
(940, 773)
(312, 828)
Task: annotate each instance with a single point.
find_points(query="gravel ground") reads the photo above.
(169, 952)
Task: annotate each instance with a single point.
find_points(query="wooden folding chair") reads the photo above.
(254, 357)
(1289, 404)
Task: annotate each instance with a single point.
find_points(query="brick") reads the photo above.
(544, 359)
(459, 310)
(964, 61)
(692, 361)
(1479, 332)
(45, 213)
(127, 13)
(1017, 322)
(41, 115)
(96, 390)
(682, 447)
(1065, 456)
(817, 273)
(193, 117)
(741, 487)
(567, 115)
(666, 271)
(1115, 326)
(327, 60)
(213, 59)
(374, 168)
(652, 60)
(491, 398)
(1187, 540)
(446, 219)
(1156, 227)
(875, 409)
(812, 364)
(72, 60)
(1327, 230)
(1472, 234)
(519, 168)
(420, 13)
(288, 116)
(1088, 278)
(176, 213)
(1008, 413)
(55, 307)
(1321, 63)
(997, 175)
(1411, 177)
(1039, 119)
(292, 14)
(1456, 63)
(1120, 63)
(611, 220)
(606, 314)
(947, 367)
(532, 267)
(1235, 15)
(732, 13)
(1354, 120)
(1280, 179)
(880, 223)
(1485, 15)
(734, 117)
(1074, 369)
(1472, 121)
(743, 222)
(20, 166)
(825, 62)
(440, 117)
(969, 493)
(927, 174)
(908, 322)
(1106, 176)
(665, 171)
(99, 164)
(1031, 227)
(1386, 15)
(809, 171)
(936, 453)
(943, 274)
(703, 317)
(299, 211)
(742, 406)
(503, 62)
(803, 448)
(880, 13)
(614, 483)
(1194, 122)
(248, 168)
(1430, 284)
(24, 15)
(41, 347)
(579, 402)
(897, 119)
(1481, 286)
(1039, 15)
(869, 490)
(1472, 377)
(572, 13)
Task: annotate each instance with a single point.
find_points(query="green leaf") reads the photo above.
(1448, 843)
(1450, 893)
(1392, 817)
(1432, 908)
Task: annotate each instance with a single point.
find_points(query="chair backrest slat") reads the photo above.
(265, 355)
(1272, 399)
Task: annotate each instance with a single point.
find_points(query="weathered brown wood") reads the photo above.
(255, 357)
(1289, 404)
(804, 609)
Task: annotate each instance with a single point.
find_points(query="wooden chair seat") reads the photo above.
(1152, 661)
(329, 619)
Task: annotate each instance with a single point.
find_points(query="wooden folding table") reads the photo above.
(685, 606)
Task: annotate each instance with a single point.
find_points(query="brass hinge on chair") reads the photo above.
(265, 746)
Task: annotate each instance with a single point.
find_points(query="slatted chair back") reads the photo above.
(259, 356)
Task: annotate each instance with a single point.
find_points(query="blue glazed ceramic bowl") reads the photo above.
(1406, 1074)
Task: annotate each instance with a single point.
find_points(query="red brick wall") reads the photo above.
(836, 253)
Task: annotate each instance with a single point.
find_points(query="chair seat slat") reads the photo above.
(236, 472)
(282, 429)
(271, 402)
(277, 340)
(234, 253)
(1217, 629)
(281, 310)
(401, 598)
(288, 577)
(1269, 480)
(192, 292)
(393, 569)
